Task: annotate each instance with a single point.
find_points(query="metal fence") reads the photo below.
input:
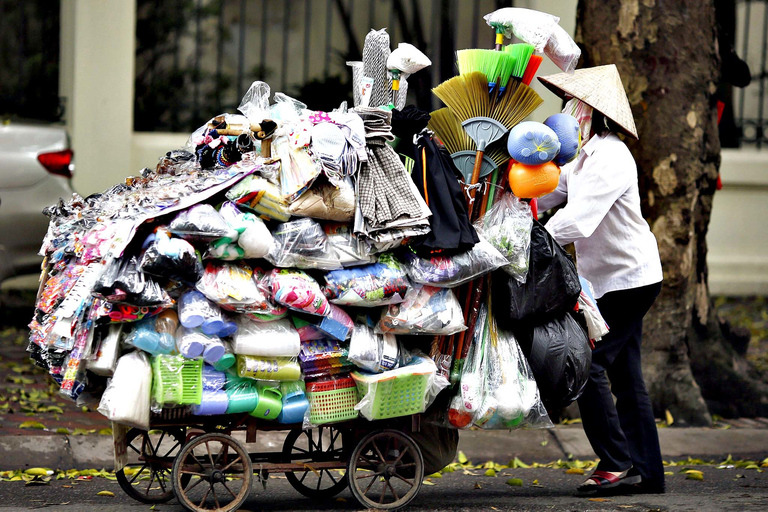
(751, 45)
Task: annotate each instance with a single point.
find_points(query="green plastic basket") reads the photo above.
(395, 393)
(177, 380)
(332, 400)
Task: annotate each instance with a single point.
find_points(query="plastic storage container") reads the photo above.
(332, 400)
(393, 393)
(177, 380)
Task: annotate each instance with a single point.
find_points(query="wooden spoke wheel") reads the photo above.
(385, 470)
(147, 476)
(220, 470)
(323, 444)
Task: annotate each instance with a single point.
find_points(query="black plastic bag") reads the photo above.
(551, 286)
(560, 356)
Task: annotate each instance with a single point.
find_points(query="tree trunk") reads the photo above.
(667, 55)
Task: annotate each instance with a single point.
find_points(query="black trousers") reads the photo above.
(623, 434)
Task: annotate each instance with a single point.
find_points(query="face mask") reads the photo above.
(583, 114)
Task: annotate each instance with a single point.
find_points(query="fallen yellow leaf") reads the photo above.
(490, 472)
(600, 500)
(575, 471)
(670, 419)
(462, 458)
(105, 493)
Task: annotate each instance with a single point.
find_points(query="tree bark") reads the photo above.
(667, 55)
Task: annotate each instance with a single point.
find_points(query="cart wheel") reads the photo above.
(385, 470)
(221, 473)
(324, 444)
(148, 480)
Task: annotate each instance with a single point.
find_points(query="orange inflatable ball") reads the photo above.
(529, 181)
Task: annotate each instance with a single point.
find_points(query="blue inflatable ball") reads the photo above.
(532, 143)
(567, 129)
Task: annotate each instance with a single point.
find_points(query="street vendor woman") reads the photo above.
(617, 252)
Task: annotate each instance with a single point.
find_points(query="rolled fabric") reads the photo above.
(213, 402)
(268, 368)
(278, 338)
(242, 399)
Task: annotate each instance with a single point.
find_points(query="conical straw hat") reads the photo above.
(599, 87)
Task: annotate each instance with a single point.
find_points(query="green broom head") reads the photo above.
(466, 95)
(484, 61)
(501, 74)
(448, 129)
(522, 53)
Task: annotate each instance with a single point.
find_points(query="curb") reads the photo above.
(546, 445)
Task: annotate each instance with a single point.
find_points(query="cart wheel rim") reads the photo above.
(148, 480)
(385, 470)
(323, 444)
(220, 470)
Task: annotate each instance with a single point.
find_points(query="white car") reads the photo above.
(36, 165)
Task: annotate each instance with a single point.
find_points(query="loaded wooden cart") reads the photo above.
(326, 275)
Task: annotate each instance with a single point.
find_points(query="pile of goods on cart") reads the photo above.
(307, 267)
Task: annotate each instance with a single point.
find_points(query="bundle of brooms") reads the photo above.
(479, 114)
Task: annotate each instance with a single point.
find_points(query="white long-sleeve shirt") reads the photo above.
(615, 248)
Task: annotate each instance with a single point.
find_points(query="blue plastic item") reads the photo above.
(532, 143)
(566, 127)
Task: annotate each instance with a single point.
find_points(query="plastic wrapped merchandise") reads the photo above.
(252, 238)
(325, 201)
(401, 392)
(298, 169)
(379, 284)
(295, 403)
(296, 290)
(533, 27)
(127, 397)
(190, 343)
(106, 349)
(195, 309)
(226, 361)
(261, 196)
(242, 394)
(337, 325)
(301, 244)
(596, 326)
(507, 227)
(273, 339)
(213, 379)
(452, 271)
(374, 352)
(171, 258)
(551, 286)
(234, 286)
(201, 222)
(268, 368)
(348, 249)
(425, 310)
(212, 403)
(497, 389)
(560, 356)
(562, 49)
(124, 282)
(144, 336)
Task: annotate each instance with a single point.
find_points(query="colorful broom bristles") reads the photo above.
(532, 68)
(496, 66)
(522, 53)
(466, 95)
(516, 104)
(448, 129)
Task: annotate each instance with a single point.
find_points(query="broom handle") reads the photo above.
(476, 174)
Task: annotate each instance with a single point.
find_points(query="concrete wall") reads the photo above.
(97, 62)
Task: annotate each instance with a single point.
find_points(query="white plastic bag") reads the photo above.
(104, 359)
(272, 339)
(127, 397)
(507, 227)
(562, 49)
(533, 27)
(425, 310)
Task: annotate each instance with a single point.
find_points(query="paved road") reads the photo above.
(721, 490)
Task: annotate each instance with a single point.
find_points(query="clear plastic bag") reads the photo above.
(301, 244)
(375, 352)
(379, 284)
(349, 250)
(298, 169)
(596, 326)
(124, 282)
(213, 379)
(233, 284)
(507, 227)
(326, 201)
(144, 336)
(407, 59)
(171, 258)
(273, 339)
(296, 290)
(533, 27)
(497, 389)
(191, 343)
(106, 349)
(269, 368)
(562, 49)
(452, 271)
(255, 102)
(261, 196)
(425, 310)
(252, 238)
(200, 222)
(127, 397)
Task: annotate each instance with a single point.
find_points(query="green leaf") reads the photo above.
(490, 472)
(515, 482)
(62, 430)
(32, 424)
(462, 458)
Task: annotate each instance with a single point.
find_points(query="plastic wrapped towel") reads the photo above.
(326, 202)
(533, 27)
(296, 290)
(268, 368)
(127, 397)
(425, 310)
(252, 240)
(261, 196)
(451, 271)
(379, 284)
(560, 356)
(272, 339)
(375, 352)
(507, 227)
(551, 286)
(200, 222)
(562, 49)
